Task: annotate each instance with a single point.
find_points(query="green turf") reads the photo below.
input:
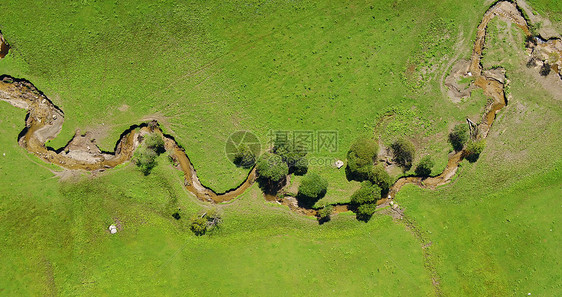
(208, 69)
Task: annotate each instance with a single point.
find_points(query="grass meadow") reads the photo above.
(208, 69)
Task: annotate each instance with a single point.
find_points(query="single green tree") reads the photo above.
(272, 167)
(244, 157)
(404, 152)
(365, 211)
(424, 166)
(324, 214)
(154, 142)
(312, 188)
(474, 149)
(198, 225)
(459, 136)
(146, 154)
(293, 153)
(368, 193)
(361, 157)
(380, 177)
(205, 222)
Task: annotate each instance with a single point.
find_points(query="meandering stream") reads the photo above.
(44, 122)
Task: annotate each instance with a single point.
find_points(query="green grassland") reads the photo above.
(55, 239)
(496, 228)
(209, 69)
(205, 70)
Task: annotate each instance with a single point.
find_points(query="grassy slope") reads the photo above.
(209, 69)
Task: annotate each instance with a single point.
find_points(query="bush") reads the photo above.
(424, 166)
(145, 155)
(380, 177)
(545, 69)
(272, 168)
(312, 188)
(459, 136)
(244, 157)
(474, 149)
(324, 213)
(198, 225)
(154, 142)
(360, 158)
(368, 193)
(366, 211)
(145, 159)
(293, 154)
(404, 152)
(300, 167)
(201, 224)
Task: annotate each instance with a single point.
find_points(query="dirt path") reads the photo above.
(44, 122)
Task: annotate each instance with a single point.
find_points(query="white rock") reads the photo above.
(339, 164)
(113, 229)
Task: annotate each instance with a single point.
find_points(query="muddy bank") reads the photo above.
(44, 122)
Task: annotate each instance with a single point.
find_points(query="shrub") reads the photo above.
(244, 157)
(201, 224)
(404, 152)
(368, 193)
(324, 213)
(294, 154)
(380, 177)
(198, 225)
(145, 155)
(300, 167)
(145, 159)
(474, 149)
(154, 142)
(360, 158)
(424, 166)
(312, 188)
(366, 211)
(272, 168)
(545, 69)
(459, 136)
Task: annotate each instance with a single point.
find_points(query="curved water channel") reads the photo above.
(44, 122)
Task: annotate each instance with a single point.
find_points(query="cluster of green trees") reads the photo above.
(145, 156)
(312, 188)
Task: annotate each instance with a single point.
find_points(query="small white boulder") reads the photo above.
(339, 164)
(113, 229)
